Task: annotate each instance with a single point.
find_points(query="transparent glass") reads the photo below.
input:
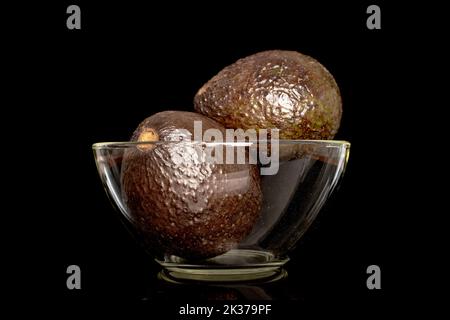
(286, 204)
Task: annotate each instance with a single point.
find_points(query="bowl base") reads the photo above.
(237, 265)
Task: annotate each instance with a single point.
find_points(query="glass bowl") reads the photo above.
(206, 220)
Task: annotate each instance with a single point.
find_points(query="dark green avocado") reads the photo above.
(274, 89)
(181, 203)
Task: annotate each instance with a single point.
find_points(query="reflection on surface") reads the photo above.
(164, 287)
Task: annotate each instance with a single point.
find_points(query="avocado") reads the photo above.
(181, 203)
(274, 89)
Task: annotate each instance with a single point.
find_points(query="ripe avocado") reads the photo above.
(181, 203)
(274, 89)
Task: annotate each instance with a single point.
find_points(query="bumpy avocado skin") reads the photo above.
(274, 89)
(182, 204)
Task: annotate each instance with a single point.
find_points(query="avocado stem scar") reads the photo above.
(148, 135)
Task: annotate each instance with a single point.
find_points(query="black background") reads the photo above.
(130, 60)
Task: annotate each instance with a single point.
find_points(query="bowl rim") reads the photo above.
(128, 144)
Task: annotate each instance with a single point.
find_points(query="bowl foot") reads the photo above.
(237, 265)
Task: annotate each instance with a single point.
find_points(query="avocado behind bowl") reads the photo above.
(274, 89)
(181, 203)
